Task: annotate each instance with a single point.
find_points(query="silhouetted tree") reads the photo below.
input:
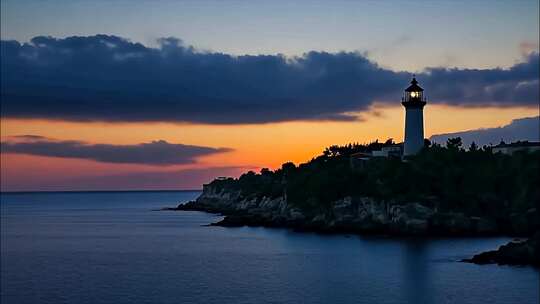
(265, 171)
(454, 143)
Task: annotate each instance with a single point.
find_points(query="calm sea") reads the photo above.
(111, 248)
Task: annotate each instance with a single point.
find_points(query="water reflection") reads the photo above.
(416, 276)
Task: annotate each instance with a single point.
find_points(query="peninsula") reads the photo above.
(440, 191)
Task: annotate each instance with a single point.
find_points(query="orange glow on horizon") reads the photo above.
(256, 146)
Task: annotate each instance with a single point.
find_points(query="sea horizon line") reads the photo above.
(97, 191)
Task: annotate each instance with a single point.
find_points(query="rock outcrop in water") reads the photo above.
(353, 215)
(513, 253)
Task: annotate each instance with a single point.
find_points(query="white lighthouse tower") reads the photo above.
(414, 103)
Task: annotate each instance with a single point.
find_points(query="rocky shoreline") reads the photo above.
(360, 215)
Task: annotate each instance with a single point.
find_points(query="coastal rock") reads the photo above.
(363, 215)
(452, 223)
(484, 226)
(296, 215)
(525, 223)
(319, 221)
(411, 218)
(513, 253)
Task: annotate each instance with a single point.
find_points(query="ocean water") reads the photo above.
(112, 248)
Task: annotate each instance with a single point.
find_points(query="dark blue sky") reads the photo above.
(398, 34)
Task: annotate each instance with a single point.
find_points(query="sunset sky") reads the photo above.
(131, 95)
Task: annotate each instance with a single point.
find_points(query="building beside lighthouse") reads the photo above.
(414, 102)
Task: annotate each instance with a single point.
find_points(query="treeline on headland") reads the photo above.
(472, 181)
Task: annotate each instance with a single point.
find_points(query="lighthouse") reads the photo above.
(414, 102)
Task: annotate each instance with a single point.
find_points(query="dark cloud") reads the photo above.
(157, 153)
(518, 85)
(519, 129)
(108, 78)
(29, 137)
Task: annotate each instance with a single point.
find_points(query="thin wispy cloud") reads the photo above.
(108, 78)
(155, 153)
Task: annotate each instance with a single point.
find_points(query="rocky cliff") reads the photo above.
(354, 215)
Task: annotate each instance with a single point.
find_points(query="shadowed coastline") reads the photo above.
(442, 191)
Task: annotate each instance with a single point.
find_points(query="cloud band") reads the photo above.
(156, 153)
(108, 78)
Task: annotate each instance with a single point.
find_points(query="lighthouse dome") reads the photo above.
(414, 87)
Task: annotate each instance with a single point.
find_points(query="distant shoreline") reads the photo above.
(93, 191)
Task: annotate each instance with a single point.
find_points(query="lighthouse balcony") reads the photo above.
(413, 103)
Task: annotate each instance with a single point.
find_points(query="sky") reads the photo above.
(108, 95)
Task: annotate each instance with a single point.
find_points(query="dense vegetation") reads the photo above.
(473, 180)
